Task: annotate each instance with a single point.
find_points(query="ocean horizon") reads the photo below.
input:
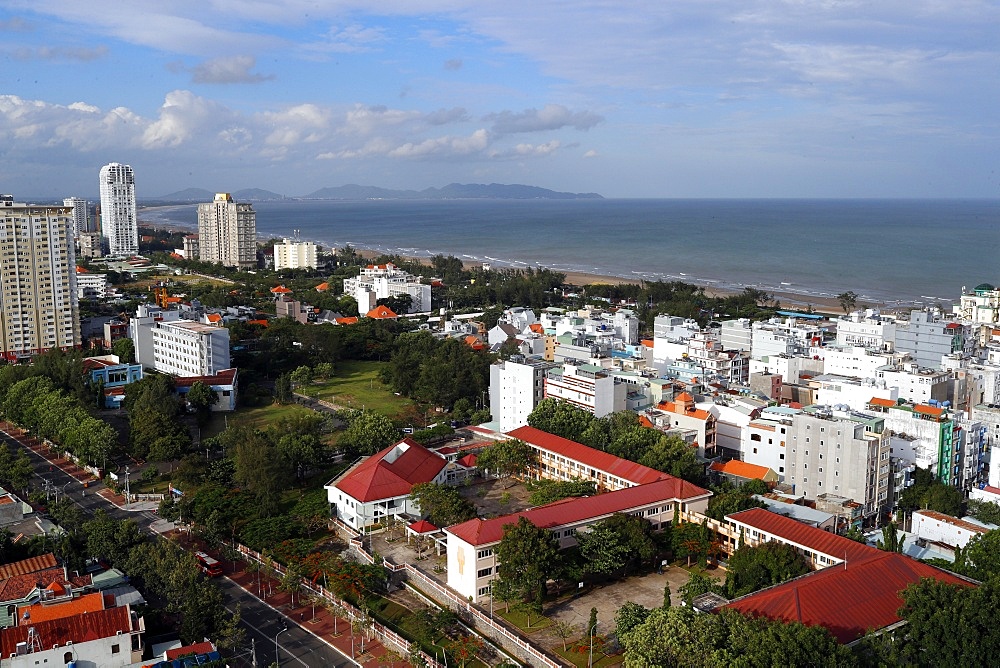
(889, 251)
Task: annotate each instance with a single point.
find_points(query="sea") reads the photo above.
(894, 253)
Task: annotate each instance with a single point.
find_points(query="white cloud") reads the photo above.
(228, 70)
(60, 53)
(528, 150)
(590, 154)
(443, 146)
(549, 117)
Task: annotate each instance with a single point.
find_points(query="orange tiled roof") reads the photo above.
(647, 342)
(262, 323)
(323, 287)
(280, 290)
(382, 312)
(214, 317)
(474, 343)
(886, 403)
(537, 328)
(41, 613)
(347, 321)
(741, 469)
(30, 565)
(81, 270)
(173, 300)
(924, 409)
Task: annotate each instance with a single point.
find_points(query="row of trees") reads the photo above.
(620, 434)
(437, 371)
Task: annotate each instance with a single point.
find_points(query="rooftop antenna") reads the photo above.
(34, 640)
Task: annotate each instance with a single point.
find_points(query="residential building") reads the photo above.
(379, 486)
(516, 387)
(114, 329)
(91, 244)
(867, 329)
(191, 247)
(385, 281)
(181, 347)
(855, 393)
(840, 452)
(930, 525)
(738, 472)
(227, 232)
(915, 383)
(922, 435)
(793, 369)
(736, 335)
(294, 254)
(520, 317)
(91, 286)
(29, 580)
(80, 214)
(39, 308)
(472, 562)
(109, 372)
(585, 386)
(106, 637)
(768, 438)
(860, 595)
(559, 458)
(858, 361)
(224, 384)
(683, 414)
(928, 337)
(119, 221)
(784, 336)
(981, 306)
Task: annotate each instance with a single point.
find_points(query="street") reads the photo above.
(296, 646)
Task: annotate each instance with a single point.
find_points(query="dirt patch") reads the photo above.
(493, 498)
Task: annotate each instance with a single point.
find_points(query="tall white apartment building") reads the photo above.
(840, 453)
(586, 386)
(38, 300)
(868, 329)
(516, 387)
(736, 334)
(80, 214)
(168, 344)
(294, 254)
(858, 361)
(227, 232)
(384, 281)
(119, 220)
(779, 336)
(928, 337)
(981, 306)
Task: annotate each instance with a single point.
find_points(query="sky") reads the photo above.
(663, 98)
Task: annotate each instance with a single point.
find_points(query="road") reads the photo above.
(296, 646)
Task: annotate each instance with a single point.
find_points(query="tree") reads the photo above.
(564, 631)
(283, 388)
(629, 616)
(592, 623)
(20, 470)
(560, 418)
(527, 556)
(891, 540)
(124, 348)
(698, 584)
(323, 370)
(443, 505)
(980, 558)
(369, 432)
(848, 300)
(691, 540)
(753, 568)
(201, 398)
(856, 534)
(250, 448)
(728, 500)
(291, 581)
(546, 491)
(507, 458)
(985, 511)
(612, 544)
(672, 455)
(302, 375)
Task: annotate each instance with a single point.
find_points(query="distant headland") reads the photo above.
(354, 192)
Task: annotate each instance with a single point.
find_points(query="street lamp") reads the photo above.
(277, 657)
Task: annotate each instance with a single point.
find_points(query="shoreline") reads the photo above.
(824, 304)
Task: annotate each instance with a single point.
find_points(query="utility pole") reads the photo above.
(126, 489)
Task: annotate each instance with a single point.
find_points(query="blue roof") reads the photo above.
(804, 316)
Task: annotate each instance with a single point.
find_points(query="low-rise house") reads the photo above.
(379, 486)
(739, 472)
(932, 526)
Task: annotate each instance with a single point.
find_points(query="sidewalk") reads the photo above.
(118, 500)
(332, 630)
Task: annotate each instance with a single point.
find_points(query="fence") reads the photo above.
(384, 634)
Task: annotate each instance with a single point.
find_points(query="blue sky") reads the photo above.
(673, 98)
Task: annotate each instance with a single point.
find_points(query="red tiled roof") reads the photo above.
(224, 377)
(197, 648)
(18, 586)
(81, 270)
(741, 469)
(323, 287)
(30, 565)
(377, 478)
(646, 422)
(847, 600)
(214, 317)
(474, 343)
(886, 403)
(616, 466)
(468, 461)
(537, 328)
(382, 312)
(262, 323)
(647, 343)
(351, 320)
(801, 534)
(77, 628)
(423, 526)
(280, 290)
(573, 510)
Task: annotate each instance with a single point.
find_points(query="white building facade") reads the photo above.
(119, 220)
(585, 386)
(227, 232)
(294, 254)
(516, 387)
(80, 214)
(385, 281)
(180, 347)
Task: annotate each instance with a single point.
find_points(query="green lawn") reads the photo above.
(520, 620)
(262, 416)
(356, 384)
(582, 659)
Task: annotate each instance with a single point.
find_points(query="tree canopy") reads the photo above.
(507, 458)
(527, 557)
(753, 568)
(443, 505)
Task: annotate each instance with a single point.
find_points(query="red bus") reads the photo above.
(209, 566)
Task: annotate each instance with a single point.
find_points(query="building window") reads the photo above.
(484, 591)
(115, 649)
(485, 572)
(754, 437)
(482, 554)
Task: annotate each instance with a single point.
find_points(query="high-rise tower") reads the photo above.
(79, 213)
(38, 298)
(227, 232)
(119, 224)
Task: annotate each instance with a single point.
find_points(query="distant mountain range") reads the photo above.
(356, 192)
